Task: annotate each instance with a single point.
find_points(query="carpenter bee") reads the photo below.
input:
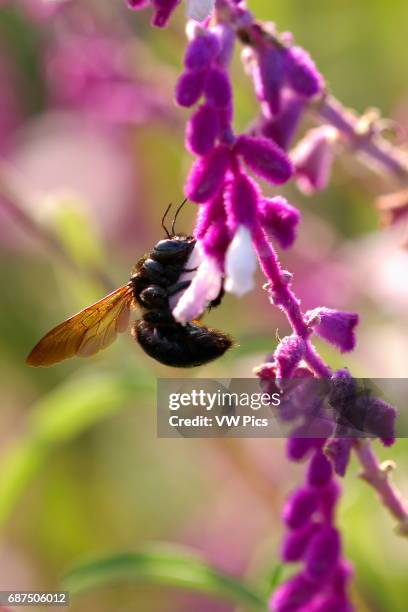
(154, 280)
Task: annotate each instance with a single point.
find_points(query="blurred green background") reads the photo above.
(82, 473)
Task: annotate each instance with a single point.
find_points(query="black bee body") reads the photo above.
(154, 281)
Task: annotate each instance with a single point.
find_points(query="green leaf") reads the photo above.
(170, 566)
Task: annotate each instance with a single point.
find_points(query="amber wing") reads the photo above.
(86, 332)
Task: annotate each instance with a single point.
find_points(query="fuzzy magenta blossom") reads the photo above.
(275, 68)
(313, 159)
(335, 326)
(282, 128)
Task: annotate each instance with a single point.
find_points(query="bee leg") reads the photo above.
(178, 287)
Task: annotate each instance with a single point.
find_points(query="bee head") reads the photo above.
(174, 249)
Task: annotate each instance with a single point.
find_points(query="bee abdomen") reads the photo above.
(181, 346)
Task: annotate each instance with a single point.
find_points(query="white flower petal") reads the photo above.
(199, 9)
(240, 263)
(205, 287)
(196, 258)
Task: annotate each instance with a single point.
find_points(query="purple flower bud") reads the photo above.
(282, 129)
(302, 73)
(202, 130)
(271, 66)
(293, 595)
(313, 159)
(279, 219)
(241, 200)
(288, 354)
(338, 450)
(328, 498)
(218, 88)
(379, 419)
(265, 158)
(323, 554)
(296, 541)
(320, 470)
(207, 175)
(226, 36)
(190, 87)
(163, 11)
(201, 51)
(300, 507)
(297, 448)
(335, 326)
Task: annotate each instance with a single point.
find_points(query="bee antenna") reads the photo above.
(176, 215)
(164, 218)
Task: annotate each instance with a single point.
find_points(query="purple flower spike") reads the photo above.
(338, 450)
(282, 129)
(190, 87)
(265, 158)
(288, 354)
(295, 542)
(302, 73)
(271, 74)
(206, 177)
(201, 51)
(218, 88)
(202, 130)
(279, 219)
(335, 326)
(320, 470)
(323, 554)
(241, 200)
(300, 507)
(294, 595)
(313, 159)
(163, 11)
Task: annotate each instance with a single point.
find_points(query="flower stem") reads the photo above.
(378, 476)
(284, 297)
